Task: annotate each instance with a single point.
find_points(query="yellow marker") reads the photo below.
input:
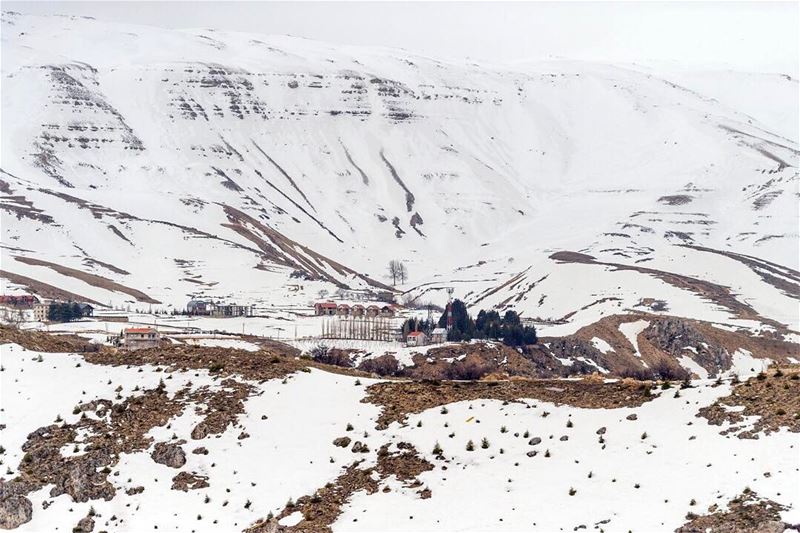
(470, 419)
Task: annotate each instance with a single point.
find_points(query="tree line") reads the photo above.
(64, 311)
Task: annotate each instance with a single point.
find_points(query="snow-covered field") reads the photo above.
(642, 475)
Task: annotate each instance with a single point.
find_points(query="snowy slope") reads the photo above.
(631, 468)
(179, 163)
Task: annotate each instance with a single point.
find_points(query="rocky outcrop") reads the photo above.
(169, 454)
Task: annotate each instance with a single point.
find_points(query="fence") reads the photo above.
(365, 329)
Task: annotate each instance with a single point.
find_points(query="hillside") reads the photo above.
(169, 164)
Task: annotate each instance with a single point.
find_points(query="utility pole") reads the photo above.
(449, 308)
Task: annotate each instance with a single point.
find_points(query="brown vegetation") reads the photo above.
(773, 397)
(399, 399)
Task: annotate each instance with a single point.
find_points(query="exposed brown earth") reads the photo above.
(665, 339)
(746, 513)
(401, 398)
(256, 366)
(719, 294)
(84, 476)
(45, 342)
(321, 509)
(280, 249)
(45, 290)
(91, 279)
(780, 277)
(773, 397)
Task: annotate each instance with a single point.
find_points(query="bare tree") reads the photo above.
(397, 271)
(394, 269)
(402, 274)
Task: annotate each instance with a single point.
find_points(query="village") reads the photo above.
(321, 320)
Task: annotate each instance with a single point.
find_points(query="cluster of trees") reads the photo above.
(488, 325)
(64, 311)
(417, 324)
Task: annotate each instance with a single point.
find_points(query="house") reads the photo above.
(86, 309)
(373, 310)
(138, 338)
(343, 310)
(357, 310)
(416, 338)
(325, 308)
(387, 311)
(438, 335)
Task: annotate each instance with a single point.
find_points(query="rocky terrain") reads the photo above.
(643, 221)
(268, 441)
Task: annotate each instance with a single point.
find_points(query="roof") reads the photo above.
(325, 304)
(140, 330)
(416, 333)
(439, 331)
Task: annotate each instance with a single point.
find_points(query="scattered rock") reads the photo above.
(134, 490)
(631, 416)
(200, 450)
(534, 441)
(359, 447)
(169, 454)
(601, 431)
(187, 481)
(532, 453)
(243, 435)
(342, 442)
(85, 525)
(200, 431)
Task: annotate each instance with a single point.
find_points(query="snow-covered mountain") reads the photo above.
(147, 166)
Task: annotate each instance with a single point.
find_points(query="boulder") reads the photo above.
(15, 510)
(342, 442)
(85, 525)
(359, 447)
(169, 454)
(534, 441)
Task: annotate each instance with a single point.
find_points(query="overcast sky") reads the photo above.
(760, 36)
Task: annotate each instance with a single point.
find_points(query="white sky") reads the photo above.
(760, 36)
